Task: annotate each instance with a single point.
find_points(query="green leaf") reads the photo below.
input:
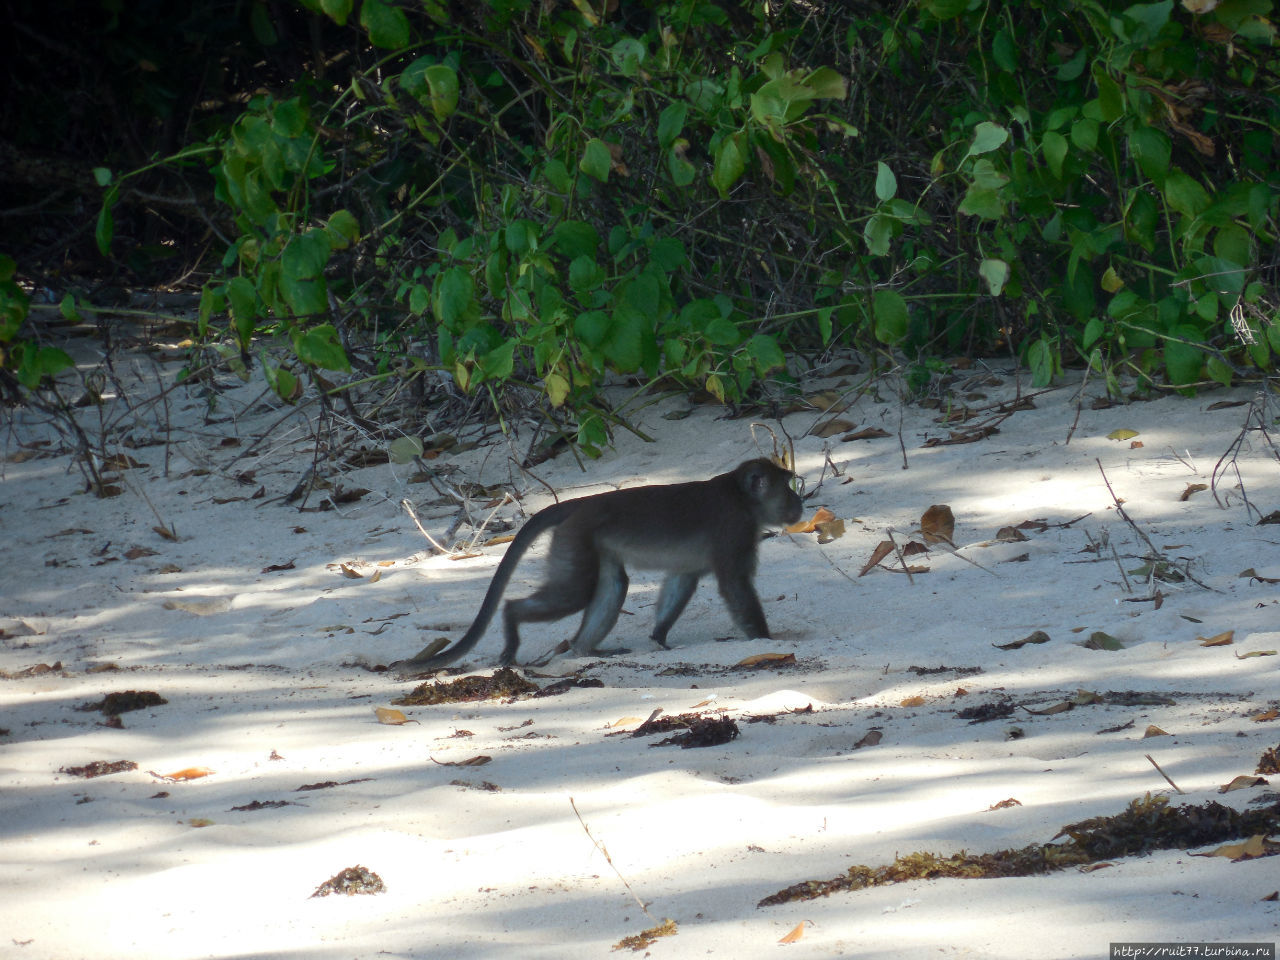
(453, 295)
(1054, 146)
(38, 362)
(995, 273)
(443, 84)
(826, 83)
(419, 299)
(498, 363)
(671, 122)
(886, 182)
(890, 311)
(682, 171)
(585, 274)
(337, 10)
(1152, 149)
(668, 253)
(1110, 96)
(575, 238)
(1004, 51)
(722, 331)
(946, 9)
(320, 347)
(591, 327)
(1183, 361)
(987, 136)
(388, 27)
(1042, 360)
(1093, 330)
(1084, 134)
(342, 229)
(1185, 194)
(766, 353)
(242, 297)
(105, 228)
(877, 234)
(596, 160)
(102, 176)
(983, 203)
(730, 162)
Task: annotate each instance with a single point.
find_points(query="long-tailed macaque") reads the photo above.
(686, 530)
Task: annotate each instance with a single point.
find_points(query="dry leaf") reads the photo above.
(1010, 535)
(388, 716)
(1255, 846)
(1218, 639)
(350, 572)
(882, 550)
(828, 400)
(912, 702)
(201, 608)
(1122, 434)
(1039, 636)
(703, 703)
(1136, 445)
(1193, 488)
(187, 773)
(871, 738)
(1061, 707)
(1090, 867)
(830, 428)
(494, 541)
(767, 659)
(200, 822)
(1242, 782)
(1255, 653)
(1265, 716)
(623, 722)
(823, 515)
(830, 530)
(796, 933)
(866, 433)
(476, 761)
(938, 524)
(1154, 731)
(166, 532)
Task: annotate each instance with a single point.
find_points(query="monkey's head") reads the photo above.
(768, 487)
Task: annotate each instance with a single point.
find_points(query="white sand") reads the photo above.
(271, 662)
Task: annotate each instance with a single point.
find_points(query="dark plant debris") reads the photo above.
(35, 670)
(327, 784)
(930, 671)
(114, 704)
(645, 938)
(700, 732)
(983, 712)
(1269, 762)
(352, 881)
(567, 684)
(99, 768)
(1147, 825)
(503, 684)
(263, 805)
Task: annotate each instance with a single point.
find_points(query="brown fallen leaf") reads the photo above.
(797, 932)
(866, 433)
(476, 761)
(623, 722)
(1038, 636)
(821, 515)
(869, 739)
(186, 773)
(1253, 575)
(1255, 653)
(830, 428)
(938, 524)
(916, 701)
(1255, 846)
(1061, 707)
(1193, 488)
(767, 660)
(1005, 804)
(882, 550)
(350, 572)
(830, 530)
(1011, 535)
(495, 541)
(1242, 782)
(1265, 716)
(200, 822)
(1153, 731)
(1218, 639)
(645, 938)
(391, 717)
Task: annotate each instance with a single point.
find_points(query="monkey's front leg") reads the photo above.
(744, 606)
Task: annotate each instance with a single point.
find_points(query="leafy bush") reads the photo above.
(512, 193)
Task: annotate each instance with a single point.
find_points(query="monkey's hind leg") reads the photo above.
(602, 611)
(673, 597)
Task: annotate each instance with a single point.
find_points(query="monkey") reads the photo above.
(686, 530)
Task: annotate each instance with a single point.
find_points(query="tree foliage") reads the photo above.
(533, 194)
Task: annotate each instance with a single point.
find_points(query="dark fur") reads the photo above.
(686, 530)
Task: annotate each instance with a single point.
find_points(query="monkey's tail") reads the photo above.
(539, 523)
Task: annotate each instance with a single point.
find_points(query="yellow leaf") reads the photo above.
(350, 572)
(823, 515)
(623, 722)
(765, 659)
(557, 388)
(389, 716)
(200, 822)
(1255, 846)
(1154, 731)
(1122, 434)
(187, 773)
(795, 935)
(1218, 639)
(912, 702)
(1242, 782)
